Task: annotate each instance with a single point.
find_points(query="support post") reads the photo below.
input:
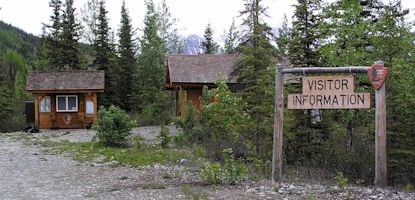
(380, 139)
(176, 94)
(182, 102)
(278, 126)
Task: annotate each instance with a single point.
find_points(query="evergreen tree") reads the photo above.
(255, 71)
(305, 34)
(49, 55)
(168, 31)
(89, 16)
(209, 46)
(283, 38)
(104, 56)
(231, 39)
(149, 95)
(126, 60)
(69, 38)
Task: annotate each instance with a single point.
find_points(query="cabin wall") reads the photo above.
(193, 96)
(53, 119)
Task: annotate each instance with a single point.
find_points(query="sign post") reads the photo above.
(278, 126)
(332, 92)
(377, 75)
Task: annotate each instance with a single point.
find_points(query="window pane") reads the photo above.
(72, 103)
(61, 103)
(47, 104)
(89, 107)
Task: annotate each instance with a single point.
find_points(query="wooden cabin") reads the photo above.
(187, 74)
(65, 99)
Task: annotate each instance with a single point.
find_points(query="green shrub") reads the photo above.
(152, 115)
(164, 138)
(409, 187)
(340, 180)
(233, 171)
(113, 126)
(179, 139)
(211, 173)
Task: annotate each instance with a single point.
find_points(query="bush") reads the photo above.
(231, 172)
(211, 173)
(164, 138)
(153, 115)
(340, 180)
(113, 126)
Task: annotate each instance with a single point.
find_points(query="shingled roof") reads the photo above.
(78, 80)
(205, 68)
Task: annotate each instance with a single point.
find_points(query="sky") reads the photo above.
(192, 15)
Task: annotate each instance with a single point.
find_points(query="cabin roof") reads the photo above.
(204, 68)
(66, 80)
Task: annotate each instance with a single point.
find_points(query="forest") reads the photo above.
(321, 34)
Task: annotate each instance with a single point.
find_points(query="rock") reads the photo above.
(368, 191)
(292, 187)
(373, 197)
(183, 161)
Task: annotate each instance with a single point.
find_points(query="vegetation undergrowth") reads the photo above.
(137, 156)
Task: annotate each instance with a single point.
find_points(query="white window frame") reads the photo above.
(45, 103)
(66, 103)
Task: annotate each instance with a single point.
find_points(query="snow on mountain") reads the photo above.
(193, 45)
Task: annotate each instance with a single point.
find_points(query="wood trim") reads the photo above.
(64, 91)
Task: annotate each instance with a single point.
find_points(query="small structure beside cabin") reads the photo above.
(188, 74)
(65, 99)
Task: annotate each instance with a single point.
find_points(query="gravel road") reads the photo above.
(29, 171)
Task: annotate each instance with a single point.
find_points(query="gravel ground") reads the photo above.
(27, 171)
(149, 133)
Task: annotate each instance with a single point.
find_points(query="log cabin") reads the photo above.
(188, 74)
(65, 99)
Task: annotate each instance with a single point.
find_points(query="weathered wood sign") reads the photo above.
(332, 92)
(328, 92)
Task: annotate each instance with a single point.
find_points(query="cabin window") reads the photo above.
(89, 107)
(45, 104)
(66, 103)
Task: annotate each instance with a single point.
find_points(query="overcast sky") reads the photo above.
(192, 15)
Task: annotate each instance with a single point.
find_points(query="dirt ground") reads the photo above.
(29, 171)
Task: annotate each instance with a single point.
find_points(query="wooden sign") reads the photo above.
(328, 92)
(329, 101)
(377, 75)
(328, 84)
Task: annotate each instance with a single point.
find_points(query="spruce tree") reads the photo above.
(104, 56)
(69, 38)
(209, 46)
(283, 38)
(255, 74)
(126, 60)
(305, 33)
(168, 30)
(231, 39)
(89, 16)
(149, 95)
(49, 54)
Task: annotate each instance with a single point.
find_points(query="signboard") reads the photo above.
(328, 92)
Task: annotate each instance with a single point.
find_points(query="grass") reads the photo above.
(136, 157)
(154, 186)
(140, 154)
(194, 192)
